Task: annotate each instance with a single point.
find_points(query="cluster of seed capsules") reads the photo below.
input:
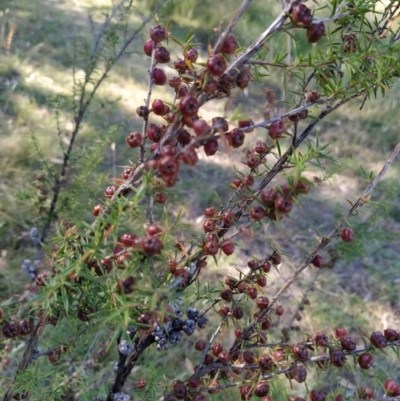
(194, 84)
(289, 359)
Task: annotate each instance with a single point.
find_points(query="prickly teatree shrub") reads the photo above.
(114, 294)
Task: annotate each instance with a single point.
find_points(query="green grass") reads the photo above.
(360, 292)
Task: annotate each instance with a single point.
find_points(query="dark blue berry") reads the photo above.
(192, 313)
(202, 322)
(175, 337)
(188, 326)
(176, 324)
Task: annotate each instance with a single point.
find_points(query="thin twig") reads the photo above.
(84, 103)
(323, 243)
(231, 25)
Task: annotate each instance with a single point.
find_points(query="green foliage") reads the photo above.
(96, 288)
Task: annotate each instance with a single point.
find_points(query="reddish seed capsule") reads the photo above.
(268, 196)
(192, 55)
(11, 329)
(126, 173)
(97, 210)
(128, 239)
(350, 44)
(265, 362)
(276, 259)
(211, 248)
(159, 77)
(253, 161)
(262, 302)
(391, 334)
(208, 360)
(188, 106)
(228, 247)
(315, 32)
(158, 107)
(243, 80)
(248, 180)
(200, 345)
(317, 395)
(55, 355)
(300, 352)
(226, 295)
(236, 183)
(193, 382)
(224, 310)
(260, 147)
(299, 373)
(338, 358)
(261, 281)
(141, 384)
(220, 124)
(209, 211)
(392, 388)
(180, 392)
(211, 86)
(341, 332)
(283, 204)
(276, 129)
(180, 64)
(236, 138)
(151, 245)
(237, 312)
(318, 260)
(348, 343)
(160, 198)
(253, 264)
(200, 127)
(378, 340)
(126, 285)
(252, 292)
(216, 348)
(25, 327)
(216, 65)
(209, 225)
(347, 235)
(228, 218)
(41, 278)
(244, 124)
(211, 147)
(248, 357)
(366, 360)
(184, 137)
(265, 325)
(279, 311)
(190, 157)
(158, 33)
(266, 267)
(148, 47)
(257, 213)
(161, 55)
(261, 389)
(224, 357)
(321, 339)
(174, 82)
(301, 15)
(110, 191)
(168, 166)
(230, 44)
(365, 393)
